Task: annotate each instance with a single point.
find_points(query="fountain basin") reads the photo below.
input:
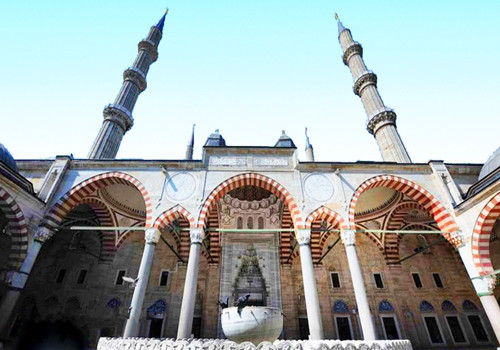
(255, 324)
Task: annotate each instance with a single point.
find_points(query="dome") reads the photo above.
(7, 159)
(284, 141)
(215, 140)
(491, 164)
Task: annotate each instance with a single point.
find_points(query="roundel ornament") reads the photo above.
(180, 186)
(318, 187)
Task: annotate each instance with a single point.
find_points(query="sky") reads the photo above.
(251, 69)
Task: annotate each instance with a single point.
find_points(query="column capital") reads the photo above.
(42, 234)
(348, 237)
(197, 235)
(152, 235)
(303, 236)
(16, 279)
(457, 238)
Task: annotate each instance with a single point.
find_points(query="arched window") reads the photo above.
(250, 222)
(448, 306)
(468, 305)
(239, 222)
(385, 306)
(425, 306)
(340, 307)
(260, 222)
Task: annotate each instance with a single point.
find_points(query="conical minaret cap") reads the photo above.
(161, 22)
(339, 24)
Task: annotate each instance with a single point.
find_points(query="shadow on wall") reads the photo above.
(51, 336)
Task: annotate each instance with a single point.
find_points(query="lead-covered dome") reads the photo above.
(7, 159)
(491, 164)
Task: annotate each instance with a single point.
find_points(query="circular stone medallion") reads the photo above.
(318, 187)
(180, 186)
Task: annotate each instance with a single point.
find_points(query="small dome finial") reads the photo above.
(336, 16)
(161, 23)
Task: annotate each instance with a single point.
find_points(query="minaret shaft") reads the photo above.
(381, 119)
(118, 115)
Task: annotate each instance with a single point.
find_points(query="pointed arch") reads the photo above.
(318, 239)
(108, 238)
(17, 226)
(251, 179)
(443, 219)
(74, 196)
(481, 235)
(173, 214)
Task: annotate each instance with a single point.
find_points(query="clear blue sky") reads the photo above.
(251, 69)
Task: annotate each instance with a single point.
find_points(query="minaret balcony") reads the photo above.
(367, 78)
(387, 116)
(119, 115)
(354, 49)
(135, 76)
(150, 47)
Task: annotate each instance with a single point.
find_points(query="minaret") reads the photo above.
(190, 146)
(118, 115)
(309, 150)
(381, 121)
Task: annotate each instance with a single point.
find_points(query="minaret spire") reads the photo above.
(190, 146)
(309, 150)
(381, 121)
(118, 115)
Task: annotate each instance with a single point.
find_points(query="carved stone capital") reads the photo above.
(152, 235)
(303, 236)
(348, 237)
(457, 238)
(368, 78)
(353, 49)
(197, 235)
(119, 115)
(42, 234)
(380, 119)
(150, 48)
(491, 282)
(135, 76)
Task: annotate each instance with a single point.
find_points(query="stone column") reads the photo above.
(152, 236)
(484, 286)
(189, 295)
(17, 279)
(367, 326)
(310, 290)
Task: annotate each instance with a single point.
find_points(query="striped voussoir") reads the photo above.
(251, 179)
(481, 235)
(74, 196)
(172, 214)
(313, 222)
(108, 238)
(16, 228)
(443, 219)
(395, 221)
(185, 219)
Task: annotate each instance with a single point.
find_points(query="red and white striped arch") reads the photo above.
(251, 179)
(74, 196)
(173, 214)
(17, 228)
(326, 214)
(108, 238)
(481, 235)
(318, 240)
(444, 220)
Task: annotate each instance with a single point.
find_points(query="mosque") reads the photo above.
(347, 250)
